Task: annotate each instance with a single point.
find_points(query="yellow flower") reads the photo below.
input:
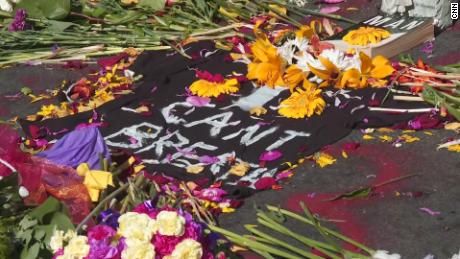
(373, 72)
(363, 36)
(187, 249)
(206, 88)
(47, 110)
(95, 180)
(294, 76)
(239, 169)
(377, 68)
(258, 111)
(170, 223)
(323, 159)
(267, 67)
(136, 249)
(301, 103)
(304, 31)
(136, 226)
(331, 74)
(77, 248)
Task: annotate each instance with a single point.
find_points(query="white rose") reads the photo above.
(136, 249)
(187, 249)
(57, 240)
(136, 226)
(170, 223)
(77, 248)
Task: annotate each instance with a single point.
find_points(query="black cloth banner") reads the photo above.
(177, 134)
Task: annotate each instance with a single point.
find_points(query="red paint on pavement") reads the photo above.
(347, 215)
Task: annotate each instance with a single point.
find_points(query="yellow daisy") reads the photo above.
(302, 102)
(364, 36)
(204, 88)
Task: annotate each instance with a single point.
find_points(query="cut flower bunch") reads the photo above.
(305, 65)
(53, 31)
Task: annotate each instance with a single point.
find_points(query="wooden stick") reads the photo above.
(420, 110)
(432, 84)
(408, 98)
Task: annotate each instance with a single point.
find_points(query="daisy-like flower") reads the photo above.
(302, 102)
(267, 66)
(341, 60)
(364, 36)
(290, 47)
(213, 85)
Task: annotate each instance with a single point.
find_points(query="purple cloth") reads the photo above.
(82, 145)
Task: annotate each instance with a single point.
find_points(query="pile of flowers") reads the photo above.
(299, 61)
(144, 233)
(112, 80)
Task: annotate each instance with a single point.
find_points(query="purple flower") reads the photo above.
(109, 218)
(19, 21)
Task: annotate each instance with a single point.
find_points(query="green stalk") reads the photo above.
(320, 246)
(246, 242)
(329, 231)
(252, 229)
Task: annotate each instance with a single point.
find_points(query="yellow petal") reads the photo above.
(323, 74)
(195, 169)
(328, 65)
(380, 60)
(350, 78)
(366, 63)
(382, 71)
(239, 169)
(82, 169)
(98, 179)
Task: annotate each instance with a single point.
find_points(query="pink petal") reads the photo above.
(329, 9)
(209, 160)
(429, 211)
(283, 175)
(265, 183)
(133, 140)
(332, 1)
(198, 101)
(270, 155)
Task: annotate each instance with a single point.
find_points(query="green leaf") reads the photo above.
(26, 90)
(155, 5)
(58, 26)
(50, 9)
(61, 221)
(49, 206)
(359, 193)
(31, 252)
(27, 222)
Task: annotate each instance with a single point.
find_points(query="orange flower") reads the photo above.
(294, 76)
(373, 72)
(331, 74)
(267, 67)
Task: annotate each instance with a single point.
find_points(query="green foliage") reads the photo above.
(154, 5)
(49, 9)
(37, 227)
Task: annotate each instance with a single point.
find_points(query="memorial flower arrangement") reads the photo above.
(143, 233)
